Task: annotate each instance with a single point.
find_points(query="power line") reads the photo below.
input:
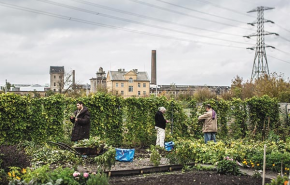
(235, 11)
(279, 59)
(108, 26)
(200, 11)
(180, 13)
(282, 51)
(284, 38)
(135, 22)
(150, 18)
(283, 28)
(232, 10)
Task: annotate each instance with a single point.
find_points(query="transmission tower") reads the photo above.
(260, 65)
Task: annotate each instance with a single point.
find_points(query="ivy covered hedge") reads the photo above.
(131, 121)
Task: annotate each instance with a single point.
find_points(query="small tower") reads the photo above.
(56, 78)
(99, 82)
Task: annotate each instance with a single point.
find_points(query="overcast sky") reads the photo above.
(190, 50)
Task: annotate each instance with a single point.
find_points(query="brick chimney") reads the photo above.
(153, 68)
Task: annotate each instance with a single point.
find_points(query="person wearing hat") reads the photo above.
(160, 124)
(209, 127)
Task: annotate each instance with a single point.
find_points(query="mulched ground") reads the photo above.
(187, 178)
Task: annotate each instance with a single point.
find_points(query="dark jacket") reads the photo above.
(159, 120)
(82, 126)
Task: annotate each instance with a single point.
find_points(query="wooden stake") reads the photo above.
(264, 166)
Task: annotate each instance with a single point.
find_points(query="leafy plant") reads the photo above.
(106, 160)
(155, 157)
(65, 174)
(51, 155)
(228, 167)
(278, 181)
(90, 143)
(98, 179)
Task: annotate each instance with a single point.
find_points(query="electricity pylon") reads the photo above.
(260, 65)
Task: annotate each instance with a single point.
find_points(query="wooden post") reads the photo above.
(264, 166)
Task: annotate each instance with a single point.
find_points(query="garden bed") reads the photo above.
(187, 178)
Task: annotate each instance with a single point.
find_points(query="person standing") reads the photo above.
(209, 127)
(160, 124)
(81, 120)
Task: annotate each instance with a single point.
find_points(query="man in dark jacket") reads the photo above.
(81, 122)
(160, 124)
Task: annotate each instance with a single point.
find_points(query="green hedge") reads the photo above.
(131, 121)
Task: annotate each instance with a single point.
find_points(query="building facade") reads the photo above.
(99, 82)
(176, 90)
(56, 78)
(128, 83)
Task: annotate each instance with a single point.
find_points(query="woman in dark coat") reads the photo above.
(81, 122)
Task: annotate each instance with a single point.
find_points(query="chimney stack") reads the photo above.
(73, 80)
(153, 68)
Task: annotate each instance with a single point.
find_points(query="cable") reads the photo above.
(180, 13)
(238, 12)
(232, 10)
(122, 19)
(282, 51)
(284, 38)
(151, 18)
(282, 28)
(200, 11)
(108, 26)
(278, 59)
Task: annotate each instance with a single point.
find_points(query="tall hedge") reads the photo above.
(131, 121)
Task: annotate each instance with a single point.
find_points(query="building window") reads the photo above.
(139, 84)
(60, 77)
(139, 93)
(117, 84)
(122, 84)
(144, 84)
(116, 92)
(54, 90)
(54, 76)
(130, 88)
(122, 92)
(144, 93)
(130, 80)
(54, 84)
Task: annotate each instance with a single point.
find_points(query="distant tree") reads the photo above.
(36, 94)
(273, 85)
(203, 94)
(49, 93)
(248, 90)
(237, 87)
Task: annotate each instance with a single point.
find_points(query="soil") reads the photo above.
(187, 178)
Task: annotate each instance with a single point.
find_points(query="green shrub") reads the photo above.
(228, 167)
(98, 179)
(278, 181)
(10, 155)
(155, 157)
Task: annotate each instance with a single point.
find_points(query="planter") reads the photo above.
(90, 151)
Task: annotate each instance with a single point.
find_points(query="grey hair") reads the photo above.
(161, 109)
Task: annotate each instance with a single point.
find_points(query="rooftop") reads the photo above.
(56, 69)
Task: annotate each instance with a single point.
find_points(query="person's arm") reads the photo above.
(72, 118)
(204, 116)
